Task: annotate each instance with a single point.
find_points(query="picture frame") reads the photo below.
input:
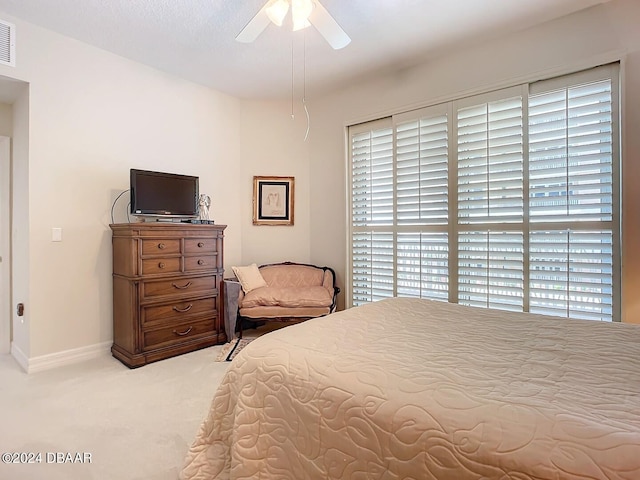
(273, 200)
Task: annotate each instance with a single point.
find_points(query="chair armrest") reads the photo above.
(329, 282)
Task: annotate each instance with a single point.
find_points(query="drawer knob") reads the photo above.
(200, 244)
(181, 287)
(161, 265)
(161, 246)
(201, 262)
(182, 310)
(182, 334)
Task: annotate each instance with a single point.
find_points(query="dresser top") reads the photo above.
(165, 228)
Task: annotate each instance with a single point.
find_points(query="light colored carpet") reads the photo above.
(136, 424)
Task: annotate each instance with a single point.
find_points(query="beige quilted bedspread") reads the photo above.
(414, 389)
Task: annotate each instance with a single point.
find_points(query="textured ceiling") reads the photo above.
(195, 39)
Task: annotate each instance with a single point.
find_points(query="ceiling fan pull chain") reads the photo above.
(306, 134)
(292, 79)
(304, 83)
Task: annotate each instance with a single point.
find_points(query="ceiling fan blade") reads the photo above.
(255, 26)
(328, 27)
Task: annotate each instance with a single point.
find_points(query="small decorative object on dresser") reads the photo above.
(166, 290)
(204, 202)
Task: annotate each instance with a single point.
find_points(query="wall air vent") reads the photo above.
(7, 43)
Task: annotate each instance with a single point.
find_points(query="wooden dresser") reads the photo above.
(166, 290)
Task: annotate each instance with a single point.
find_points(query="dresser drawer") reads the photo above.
(179, 310)
(160, 246)
(176, 334)
(179, 286)
(199, 245)
(200, 262)
(151, 266)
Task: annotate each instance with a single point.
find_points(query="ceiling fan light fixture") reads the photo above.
(301, 11)
(304, 14)
(277, 11)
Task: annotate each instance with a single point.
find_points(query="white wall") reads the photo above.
(6, 129)
(6, 119)
(20, 243)
(88, 118)
(273, 145)
(600, 34)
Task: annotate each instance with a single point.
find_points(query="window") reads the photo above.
(505, 200)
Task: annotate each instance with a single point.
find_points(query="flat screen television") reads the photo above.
(159, 194)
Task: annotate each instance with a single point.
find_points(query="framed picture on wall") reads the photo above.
(273, 200)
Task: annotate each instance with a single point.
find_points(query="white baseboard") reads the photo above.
(20, 357)
(58, 359)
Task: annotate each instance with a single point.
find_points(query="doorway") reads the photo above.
(5, 244)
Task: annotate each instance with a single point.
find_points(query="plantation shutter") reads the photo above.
(490, 272)
(490, 162)
(572, 274)
(422, 170)
(490, 195)
(570, 147)
(422, 183)
(372, 213)
(507, 200)
(572, 131)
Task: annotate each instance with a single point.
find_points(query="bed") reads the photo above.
(417, 389)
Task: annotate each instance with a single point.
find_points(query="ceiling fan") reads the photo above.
(304, 13)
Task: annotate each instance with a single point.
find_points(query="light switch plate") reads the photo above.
(56, 234)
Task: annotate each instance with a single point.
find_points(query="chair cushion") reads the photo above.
(316, 296)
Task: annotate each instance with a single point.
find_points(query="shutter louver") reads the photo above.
(570, 154)
(372, 258)
(423, 266)
(422, 172)
(372, 178)
(490, 270)
(571, 274)
(490, 165)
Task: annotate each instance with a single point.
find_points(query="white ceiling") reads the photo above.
(195, 39)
